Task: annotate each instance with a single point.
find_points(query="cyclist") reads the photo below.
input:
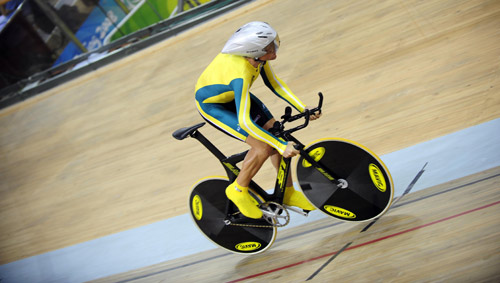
(224, 100)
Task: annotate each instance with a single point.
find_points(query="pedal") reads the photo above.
(297, 210)
(275, 214)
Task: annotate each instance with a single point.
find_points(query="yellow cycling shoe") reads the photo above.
(296, 198)
(241, 198)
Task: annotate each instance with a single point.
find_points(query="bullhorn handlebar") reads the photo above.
(278, 128)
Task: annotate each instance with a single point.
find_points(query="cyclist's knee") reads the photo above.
(261, 148)
(264, 150)
(267, 150)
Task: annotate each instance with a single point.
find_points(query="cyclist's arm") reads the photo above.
(280, 88)
(242, 100)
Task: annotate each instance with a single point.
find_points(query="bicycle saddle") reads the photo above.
(183, 133)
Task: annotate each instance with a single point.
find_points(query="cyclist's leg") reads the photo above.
(224, 118)
(275, 156)
(259, 152)
(237, 192)
(266, 120)
(292, 197)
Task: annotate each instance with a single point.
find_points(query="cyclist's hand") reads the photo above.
(290, 151)
(314, 116)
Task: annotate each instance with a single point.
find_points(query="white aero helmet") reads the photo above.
(251, 39)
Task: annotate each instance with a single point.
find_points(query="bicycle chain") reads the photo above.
(261, 226)
(251, 225)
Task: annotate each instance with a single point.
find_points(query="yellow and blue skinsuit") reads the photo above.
(225, 83)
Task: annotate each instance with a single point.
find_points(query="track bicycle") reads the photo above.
(341, 178)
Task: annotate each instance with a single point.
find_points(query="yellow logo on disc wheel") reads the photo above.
(197, 207)
(377, 177)
(316, 154)
(248, 246)
(340, 212)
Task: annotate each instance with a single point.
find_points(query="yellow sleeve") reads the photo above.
(280, 88)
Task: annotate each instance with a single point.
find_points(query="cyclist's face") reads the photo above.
(271, 52)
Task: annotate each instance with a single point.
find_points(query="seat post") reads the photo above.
(210, 146)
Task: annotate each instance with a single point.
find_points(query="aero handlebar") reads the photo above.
(288, 111)
(278, 128)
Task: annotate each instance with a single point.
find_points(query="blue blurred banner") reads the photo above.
(98, 25)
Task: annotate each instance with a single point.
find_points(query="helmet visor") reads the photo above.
(273, 46)
(277, 43)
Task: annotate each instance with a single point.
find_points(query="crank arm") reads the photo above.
(296, 210)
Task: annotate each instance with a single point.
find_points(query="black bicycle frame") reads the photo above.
(279, 131)
(230, 163)
(232, 170)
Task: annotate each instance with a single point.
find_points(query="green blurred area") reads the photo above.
(149, 13)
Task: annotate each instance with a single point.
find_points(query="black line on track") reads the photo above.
(369, 225)
(328, 261)
(310, 231)
(412, 184)
(448, 190)
(408, 189)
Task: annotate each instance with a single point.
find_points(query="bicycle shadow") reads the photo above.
(324, 242)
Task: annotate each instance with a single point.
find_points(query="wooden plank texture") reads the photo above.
(95, 156)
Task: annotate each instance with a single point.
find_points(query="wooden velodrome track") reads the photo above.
(95, 156)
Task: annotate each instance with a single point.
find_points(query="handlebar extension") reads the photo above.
(278, 128)
(288, 111)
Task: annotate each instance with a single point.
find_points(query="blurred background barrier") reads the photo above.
(44, 43)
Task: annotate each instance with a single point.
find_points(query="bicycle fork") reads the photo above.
(332, 177)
